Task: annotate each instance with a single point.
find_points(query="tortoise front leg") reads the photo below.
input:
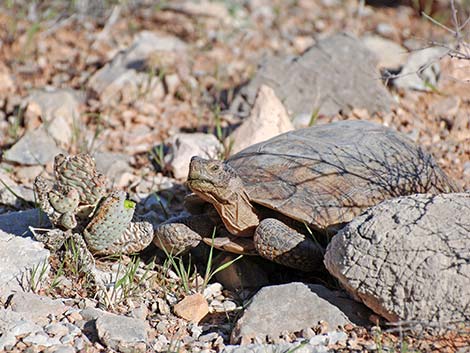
(180, 234)
(280, 243)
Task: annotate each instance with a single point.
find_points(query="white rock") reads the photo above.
(19, 256)
(24, 327)
(212, 290)
(7, 341)
(422, 69)
(268, 118)
(56, 329)
(184, 146)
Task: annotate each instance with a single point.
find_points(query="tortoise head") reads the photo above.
(218, 183)
(213, 180)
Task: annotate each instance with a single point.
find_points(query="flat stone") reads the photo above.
(422, 69)
(289, 307)
(19, 257)
(268, 118)
(35, 147)
(335, 75)
(56, 329)
(407, 258)
(192, 308)
(24, 327)
(122, 333)
(184, 146)
(40, 339)
(37, 308)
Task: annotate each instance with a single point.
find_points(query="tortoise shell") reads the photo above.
(326, 175)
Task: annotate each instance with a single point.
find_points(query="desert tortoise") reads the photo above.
(320, 177)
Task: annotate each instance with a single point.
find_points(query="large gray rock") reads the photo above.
(122, 333)
(35, 147)
(337, 74)
(19, 256)
(408, 258)
(291, 307)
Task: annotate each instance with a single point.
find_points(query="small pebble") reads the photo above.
(74, 316)
(55, 329)
(67, 339)
(208, 337)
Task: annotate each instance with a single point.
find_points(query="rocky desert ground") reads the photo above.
(142, 86)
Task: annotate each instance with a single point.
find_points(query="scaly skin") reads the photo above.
(217, 183)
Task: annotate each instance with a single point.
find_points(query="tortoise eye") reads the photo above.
(215, 167)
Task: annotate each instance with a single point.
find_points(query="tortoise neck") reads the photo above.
(238, 214)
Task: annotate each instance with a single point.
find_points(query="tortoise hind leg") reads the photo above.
(280, 243)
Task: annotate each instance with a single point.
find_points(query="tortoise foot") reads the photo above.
(277, 242)
(177, 236)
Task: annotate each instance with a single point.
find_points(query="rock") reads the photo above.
(335, 75)
(19, 257)
(212, 290)
(113, 165)
(58, 110)
(61, 348)
(421, 71)
(122, 333)
(122, 77)
(183, 146)
(267, 119)
(7, 341)
(12, 194)
(18, 223)
(35, 147)
(390, 55)
(192, 308)
(298, 347)
(40, 339)
(37, 308)
(407, 258)
(289, 307)
(56, 329)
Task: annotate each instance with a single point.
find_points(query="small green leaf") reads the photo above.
(129, 204)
